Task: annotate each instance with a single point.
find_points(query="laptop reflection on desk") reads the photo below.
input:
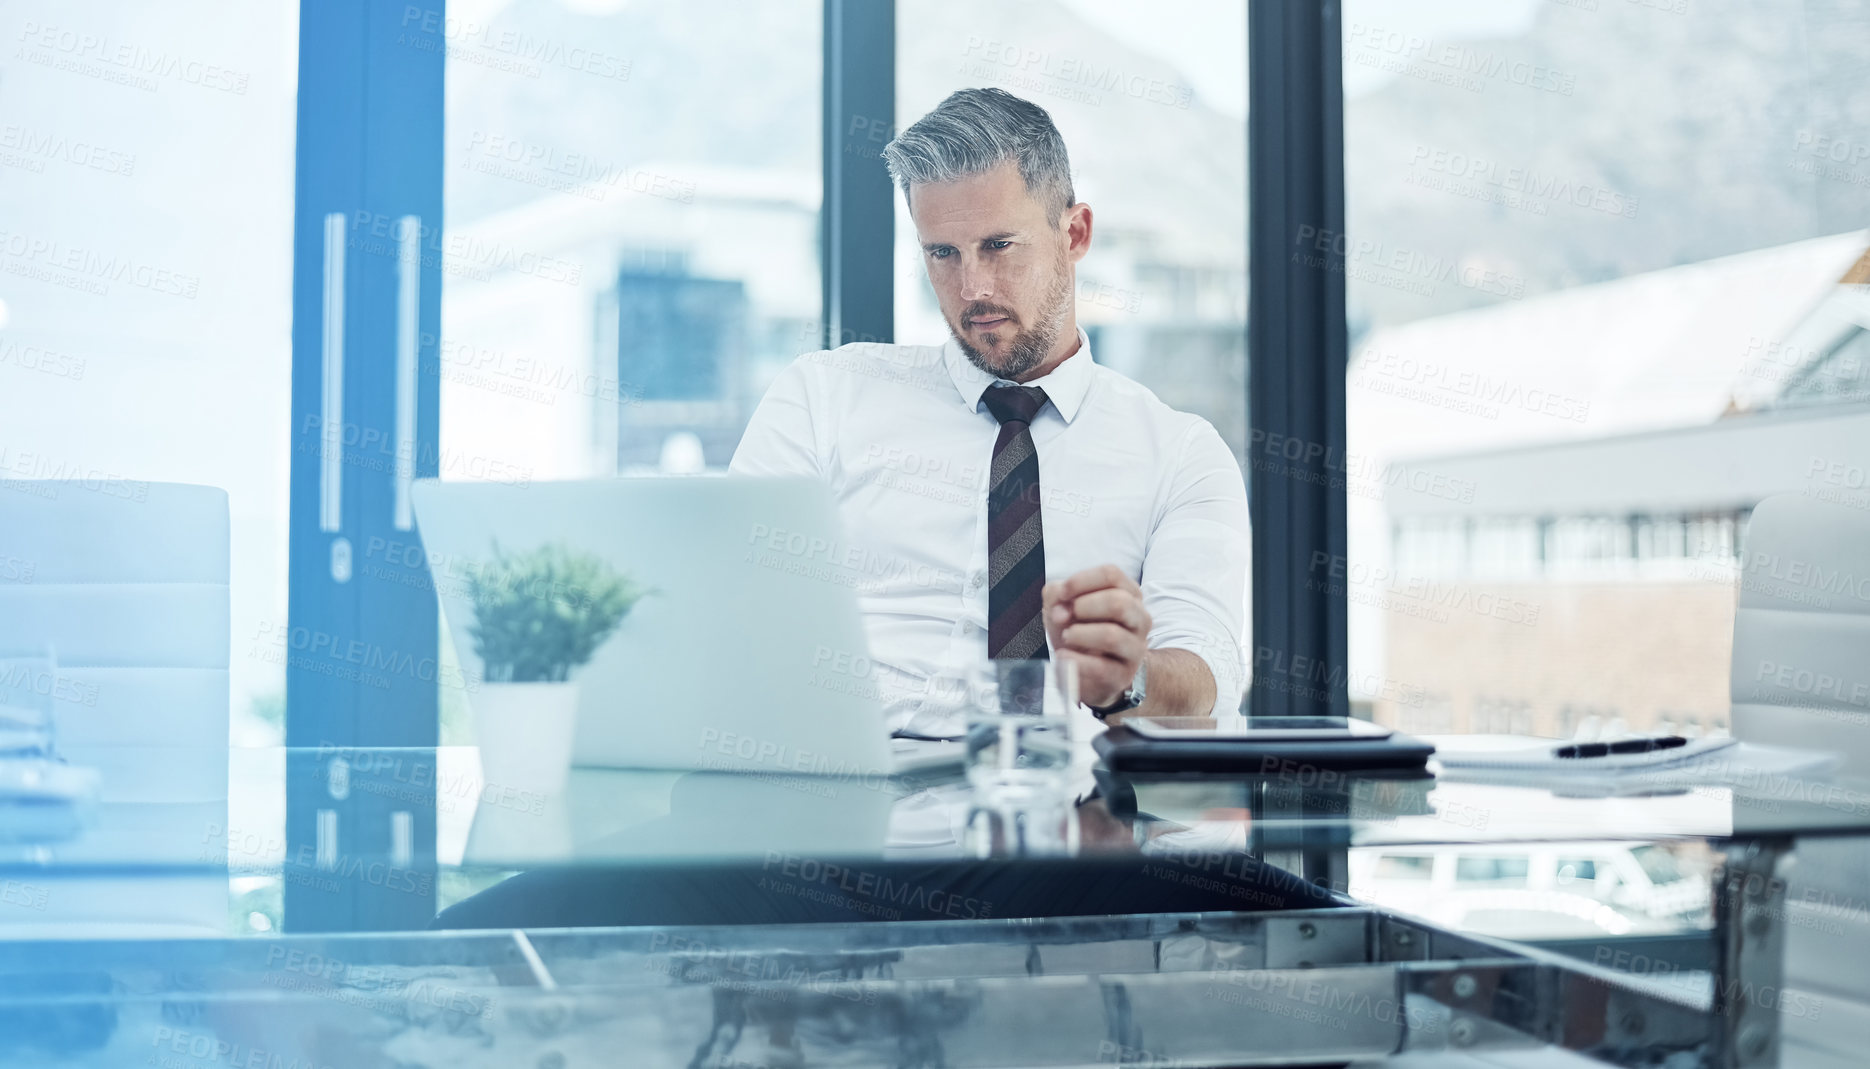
(647, 816)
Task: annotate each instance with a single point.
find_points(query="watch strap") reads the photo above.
(1126, 701)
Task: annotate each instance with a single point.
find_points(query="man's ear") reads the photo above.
(1078, 231)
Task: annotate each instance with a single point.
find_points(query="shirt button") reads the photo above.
(974, 581)
(969, 628)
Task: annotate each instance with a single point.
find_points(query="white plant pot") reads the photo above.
(526, 733)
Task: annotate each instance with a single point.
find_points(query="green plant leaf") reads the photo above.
(541, 613)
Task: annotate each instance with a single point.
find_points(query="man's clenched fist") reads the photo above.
(1096, 618)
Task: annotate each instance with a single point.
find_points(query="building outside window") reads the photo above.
(1606, 275)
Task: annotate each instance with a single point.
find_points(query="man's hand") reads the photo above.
(1096, 618)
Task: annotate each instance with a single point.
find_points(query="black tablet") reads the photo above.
(1222, 748)
(1259, 728)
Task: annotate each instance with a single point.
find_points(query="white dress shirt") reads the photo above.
(900, 434)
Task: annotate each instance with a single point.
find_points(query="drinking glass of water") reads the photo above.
(1019, 732)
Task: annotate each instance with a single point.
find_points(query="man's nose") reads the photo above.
(976, 281)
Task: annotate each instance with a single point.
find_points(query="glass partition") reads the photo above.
(146, 259)
(632, 194)
(145, 285)
(1604, 265)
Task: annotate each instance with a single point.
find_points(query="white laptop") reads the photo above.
(748, 655)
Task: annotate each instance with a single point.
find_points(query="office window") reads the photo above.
(1151, 100)
(1503, 547)
(145, 276)
(146, 173)
(631, 253)
(1405, 867)
(1502, 716)
(678, 336)
(1661, 537)
(1425, 713)
(632, 199)
(1595, 254)
(1576, 870)
(1493, 871)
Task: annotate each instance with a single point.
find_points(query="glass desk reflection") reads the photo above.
(331, 808)
(92, 903)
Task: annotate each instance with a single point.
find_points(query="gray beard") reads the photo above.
(1028, 348)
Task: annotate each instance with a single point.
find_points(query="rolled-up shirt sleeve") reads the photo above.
(1196, 565)
(781, 438)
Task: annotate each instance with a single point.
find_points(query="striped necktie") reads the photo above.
(1015, 537)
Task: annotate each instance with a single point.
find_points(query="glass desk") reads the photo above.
(108, 937)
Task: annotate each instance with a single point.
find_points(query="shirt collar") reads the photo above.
(1065, 386)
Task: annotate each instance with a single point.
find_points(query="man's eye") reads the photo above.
(940, 254)
(999, 244)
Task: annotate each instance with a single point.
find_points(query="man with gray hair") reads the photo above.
(1026, 502)
(1051, 506)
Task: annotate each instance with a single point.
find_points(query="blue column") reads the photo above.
(1296, 357)
(362, 667)
(858, 218)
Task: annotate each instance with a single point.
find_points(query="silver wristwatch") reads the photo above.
(1130, 698)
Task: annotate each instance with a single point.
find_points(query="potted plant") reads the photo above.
(537, 616)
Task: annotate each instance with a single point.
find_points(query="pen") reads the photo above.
(1601, 749)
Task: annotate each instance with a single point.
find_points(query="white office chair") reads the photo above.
(126, 584)
(1801, 677)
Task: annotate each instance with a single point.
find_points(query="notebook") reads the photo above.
(1721, 761)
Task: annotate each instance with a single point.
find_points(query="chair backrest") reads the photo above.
(127, 584)
(1801, 678)
(1801, 664)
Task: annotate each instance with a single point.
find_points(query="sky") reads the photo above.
(1202, 37)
